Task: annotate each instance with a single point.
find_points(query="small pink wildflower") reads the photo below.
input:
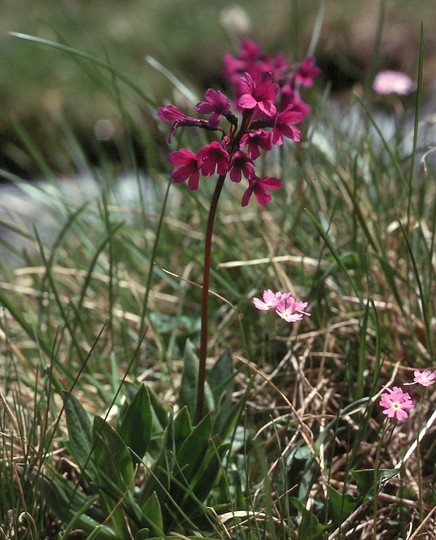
(270, 300)
(393, 82)
(396, 403)
(216, 104)
(291, 310)
(424, 378)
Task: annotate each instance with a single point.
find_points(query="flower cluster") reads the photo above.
(396, 403)
(266, 91)
(284, 304)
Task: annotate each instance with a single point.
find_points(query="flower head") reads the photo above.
(270, 300)
(393, 82)
(216, 104)
(396, 403)
(284, 304)
(424, 378)
(291, 310)
(266, 92)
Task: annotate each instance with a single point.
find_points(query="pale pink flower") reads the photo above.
(291, 310)
(424, 378)
(396, 403)
(270, 300)
(393, 82)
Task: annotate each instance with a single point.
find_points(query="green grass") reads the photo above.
(296, 446)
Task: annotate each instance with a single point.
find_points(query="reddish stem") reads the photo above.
(205, 298)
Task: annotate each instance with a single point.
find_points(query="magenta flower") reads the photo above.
(396, 403)
(187, 167)
(213, 157)
(424, 378)
(283, 128)
(255, 140)
(240, 165)
(393, 82)
(270, 300)
(216, 104)
(170, 113)
(246, 61)
(306, 72)
(291, 310)
(259, 187)
(290, 97)
(259, 94)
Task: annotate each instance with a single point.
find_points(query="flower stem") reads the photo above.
(205, 297)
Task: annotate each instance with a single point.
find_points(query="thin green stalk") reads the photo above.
(205, 297)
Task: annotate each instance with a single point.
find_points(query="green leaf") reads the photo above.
(79, 432)
(220, 378)
(182, 428)
(160, 409)
(159, 477)
(111, 455)
(153, 514)
(220, 381)
(136, 426)
(207, 474)
(341, 505)
(73, 508)
(368, 480)
(194, 448)
(115, 474)
(310, 528)
(143, 534)
(227, 423)
(188, 386)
